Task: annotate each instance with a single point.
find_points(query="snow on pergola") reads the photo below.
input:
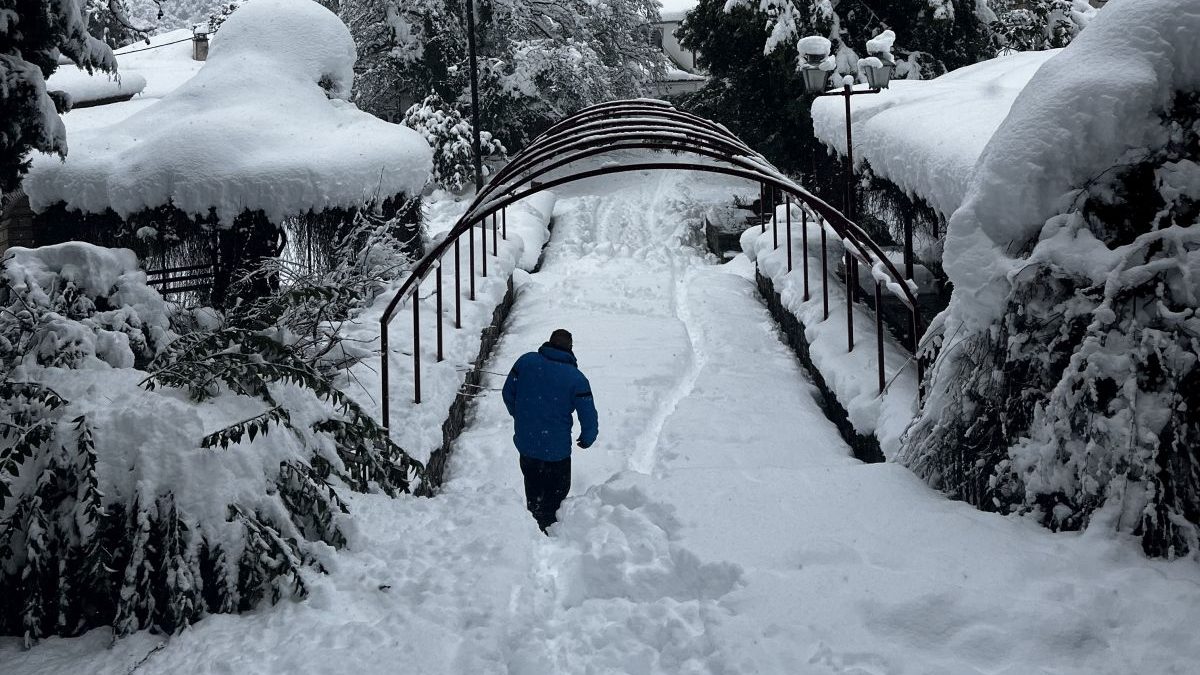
(264, 126)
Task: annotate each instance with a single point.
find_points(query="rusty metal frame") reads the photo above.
(641, 124)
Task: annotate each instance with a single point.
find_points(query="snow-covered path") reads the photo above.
(719, 525)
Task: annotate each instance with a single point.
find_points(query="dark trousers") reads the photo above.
(546, 485)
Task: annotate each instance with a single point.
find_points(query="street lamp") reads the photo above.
(818, 65)
(879, 64)
(816, 69)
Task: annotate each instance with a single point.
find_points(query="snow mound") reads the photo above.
(262, 126)
(84, 87)
(1081, 112)
(925, 136)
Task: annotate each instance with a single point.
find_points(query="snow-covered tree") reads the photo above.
(538, 60)
(450, 136)
(32, 35)
(110, 21)
(749, 47)
(1027, 25)
(935, 35)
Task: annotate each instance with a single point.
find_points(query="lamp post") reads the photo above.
(816, 70)
(475, 145)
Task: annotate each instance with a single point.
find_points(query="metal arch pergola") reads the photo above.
(638, 124)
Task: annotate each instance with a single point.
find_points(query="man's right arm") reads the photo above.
(510, 389)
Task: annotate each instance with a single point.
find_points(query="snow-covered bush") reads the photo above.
(32, 36)
(1068, 379)
(218, 16)
(1028, 25)
(148, 478)
(444, 128)
(261, 134)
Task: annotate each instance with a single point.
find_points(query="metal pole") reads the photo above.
(471, 260)
(475, 145)
(495, 235)
(849, 158)
(824, 271)
(908, 247)
(416, 303)
(879, 333)
(483, 245)
(762, 207)
(504, 223)
(804, 250)
(916, 344)
(457, 287)
(774, 225)
(383, 375)
(440, 354)
(787, 205)
(849, 303)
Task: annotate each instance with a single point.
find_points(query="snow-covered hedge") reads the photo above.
(1068, 378)
(158, 465)
(264, 126)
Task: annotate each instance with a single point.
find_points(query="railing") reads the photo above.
(193, 278)
(637, 125)
(855, 254)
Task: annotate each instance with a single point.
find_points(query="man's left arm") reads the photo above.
(585, 407)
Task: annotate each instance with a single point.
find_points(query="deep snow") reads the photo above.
(719, 525)
(264, 125)
(926, 135)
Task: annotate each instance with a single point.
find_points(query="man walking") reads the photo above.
(541, 392)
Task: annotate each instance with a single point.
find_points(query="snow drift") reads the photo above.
(1067, 378)
(264, 126)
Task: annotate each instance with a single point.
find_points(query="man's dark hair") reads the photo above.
(561, 339)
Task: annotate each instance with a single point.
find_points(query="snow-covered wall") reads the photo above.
(926, 135)
(264, 125)
(1068, 381)
(1081, 112)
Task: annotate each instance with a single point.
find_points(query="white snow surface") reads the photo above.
(719, 524)
(926, 135)
(262, 126)
(84, 87)
(1082, 112)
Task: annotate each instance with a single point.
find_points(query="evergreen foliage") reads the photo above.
(450, 137)
(749, 49)
(80, 544)
(32, 35)
(1028, 25)
(1087, 393)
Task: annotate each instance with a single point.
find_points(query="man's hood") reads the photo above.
(556, 354)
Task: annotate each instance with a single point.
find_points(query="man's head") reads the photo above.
(561, 339)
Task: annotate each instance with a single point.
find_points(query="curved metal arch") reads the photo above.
(631, 125)
(664, 120)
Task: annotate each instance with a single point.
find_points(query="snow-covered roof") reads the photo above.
(926, 135)
(1088, 107)
(98, 86)
(262, 126)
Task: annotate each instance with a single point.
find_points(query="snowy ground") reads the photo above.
(719, 524)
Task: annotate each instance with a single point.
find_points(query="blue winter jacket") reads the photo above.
(541, 392)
